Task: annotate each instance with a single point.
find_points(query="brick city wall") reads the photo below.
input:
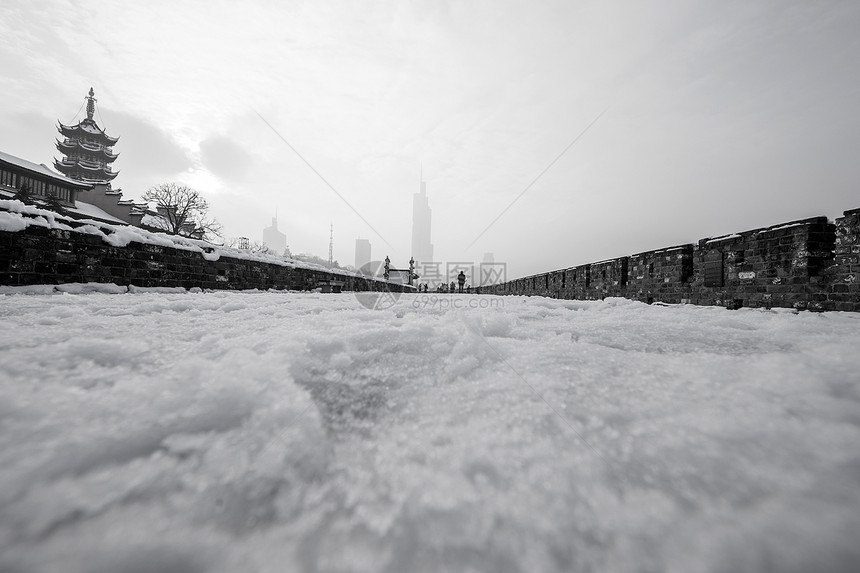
(809, 264)
(42, 255)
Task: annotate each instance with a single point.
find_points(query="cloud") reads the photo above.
(225, 158)
(148, 150)
(30, 135)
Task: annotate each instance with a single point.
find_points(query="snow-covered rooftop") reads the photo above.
(89, 210)
(89, 126)
(41, 169)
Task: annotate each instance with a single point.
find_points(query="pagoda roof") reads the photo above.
(86, 127)
(84, 170)
(42, 170)
(102, 151)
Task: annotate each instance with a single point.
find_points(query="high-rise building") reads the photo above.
(362, 254)
(274, 239)
(87, 149)
(422, 249)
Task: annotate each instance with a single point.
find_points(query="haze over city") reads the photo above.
(716, 117)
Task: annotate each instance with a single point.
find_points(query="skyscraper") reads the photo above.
(274, 239)
(422, 249)
(362, 254)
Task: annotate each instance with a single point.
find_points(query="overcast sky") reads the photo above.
(719, 116)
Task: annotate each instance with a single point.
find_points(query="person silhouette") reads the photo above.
(461, 280)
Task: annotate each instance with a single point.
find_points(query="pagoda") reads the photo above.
(87, 149)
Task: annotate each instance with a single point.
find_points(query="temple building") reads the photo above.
(87, 157)
(83, 191)
(87, 150)
(17, 174)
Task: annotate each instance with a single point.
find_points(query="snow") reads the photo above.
(724, 238)
(781, 227)
(767, 230)
(90, 210)
(12, 222)
(220, 431)
(156, 221)
(13, 219)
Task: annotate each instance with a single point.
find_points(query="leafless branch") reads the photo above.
(184, 210)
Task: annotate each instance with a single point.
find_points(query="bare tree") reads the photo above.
(183, 210)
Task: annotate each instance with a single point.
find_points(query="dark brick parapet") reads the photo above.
(66, 253)
(807, 264)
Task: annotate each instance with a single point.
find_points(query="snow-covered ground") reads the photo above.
(306, 432)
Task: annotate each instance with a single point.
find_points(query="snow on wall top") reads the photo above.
(724, 238)
(16, 216)
(156, 221)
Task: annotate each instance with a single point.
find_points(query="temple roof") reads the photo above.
(41, 170)
(85, 171)
(101, 151)
(87, 128)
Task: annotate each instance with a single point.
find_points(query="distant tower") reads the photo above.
(362, 254)
(86, 149)
(422, 249)
(330, 243)
(273, 238)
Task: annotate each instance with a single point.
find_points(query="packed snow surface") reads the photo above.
(224, 432)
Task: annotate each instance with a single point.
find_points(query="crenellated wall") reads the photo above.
(808, 264)
(843, 275)
(73, 252)
(660, 275)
